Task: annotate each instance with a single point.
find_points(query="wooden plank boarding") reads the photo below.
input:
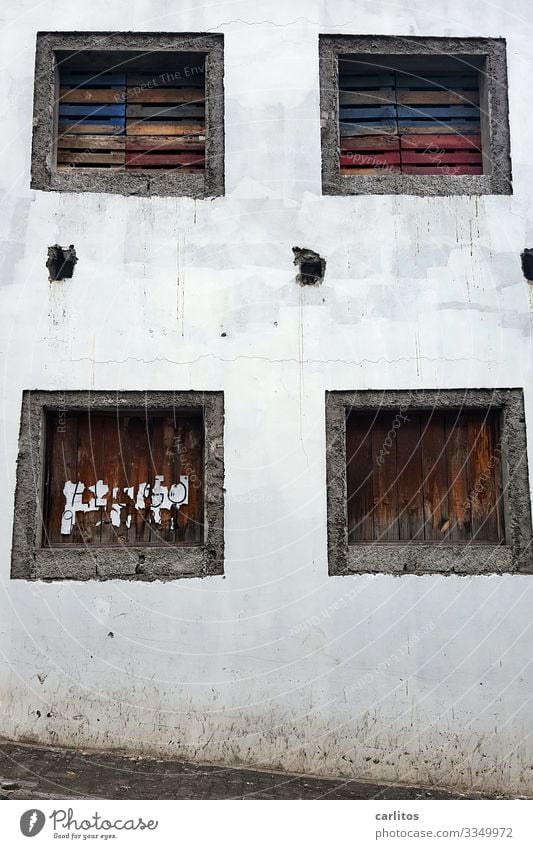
(164, 112)
(359, 474)
(446, 141)
(165, 95)
(376, 142)
(169, 160)
(156, 128)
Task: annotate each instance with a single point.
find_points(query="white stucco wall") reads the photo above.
(413, 678)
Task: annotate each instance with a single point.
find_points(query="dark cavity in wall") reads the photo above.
(61, 262)
(311, 267)
(527, 263)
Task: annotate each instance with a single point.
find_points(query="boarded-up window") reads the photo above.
(127, 116)
(127, 479)
(430, 476)
(409, 115)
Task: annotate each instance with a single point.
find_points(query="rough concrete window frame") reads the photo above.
(44, 174)
(495, 125)
(515, 556)
(31, 559)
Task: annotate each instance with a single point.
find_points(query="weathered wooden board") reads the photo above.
(84, 158)
(361, 159)
(134, 457)
(435, 158)
(446, 141)
(447, 113)
(431, 476)
(434, 476)
(368, 128)
(368, 81)
(157, 80)
(378, 97)
(346, 172)
(165, 143)
(370, 143)
(409, 478)
(469, 80)
(164, 112)
(91, 143)
(367, 113)
(91, 95)
(91, 80)
(165, 95)
(165, 160)
(96, 111)
(168, 128)
(483, 475)
(450, 169)
(458, 128)
(359, 472)
(438, 97)
(385, 491)
(113, 127)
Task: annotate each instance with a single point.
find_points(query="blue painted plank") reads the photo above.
(92, 111)
(93, 80)
(364, 112)
(438, 112)
(421, 80)
(364, 82)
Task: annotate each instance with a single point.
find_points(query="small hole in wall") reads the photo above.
(61, 262)
(311, 267)
(527, 264)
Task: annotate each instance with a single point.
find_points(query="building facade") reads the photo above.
(263, 291)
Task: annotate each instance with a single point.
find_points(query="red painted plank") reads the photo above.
(360, 159)
(451, 141)
(437, 157)
(445, 169)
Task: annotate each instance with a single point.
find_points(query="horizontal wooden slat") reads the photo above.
(364, 113)
(446, 141)
(82, 158)
(165, 95)
(114, 126)
(362, 81)
(439, 96)
(442, 112)
(150, 81)
(164, 112)
(166, 143)
(363, 98)
(91, 142)
(360, 159)
(156, 128)
(91, 80)
(438, 158)
(91, 95)
(148, 160)
(437, 128)
(369, 171)
(445, 81)
(370, 143)
(366, 129)
(448, 169)
(97, 111)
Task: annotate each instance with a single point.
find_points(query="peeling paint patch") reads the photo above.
(161, 498)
